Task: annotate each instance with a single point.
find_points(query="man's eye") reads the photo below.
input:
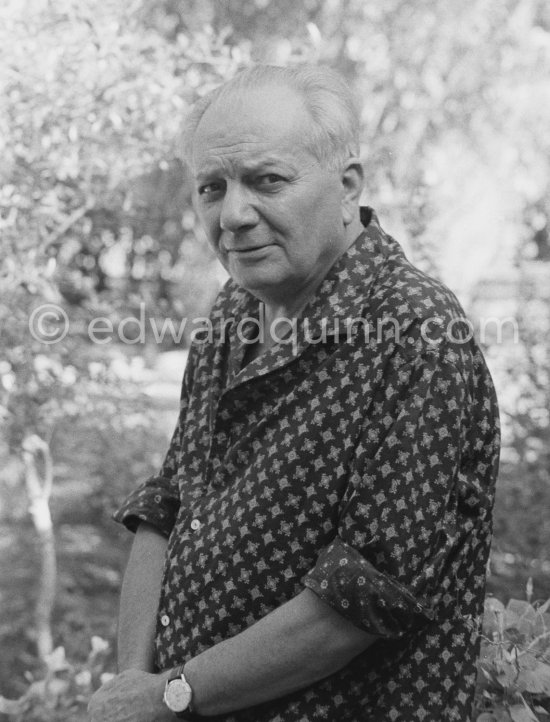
(209, 189)
(268, 179)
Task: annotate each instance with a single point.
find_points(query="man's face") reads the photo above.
(272, 214)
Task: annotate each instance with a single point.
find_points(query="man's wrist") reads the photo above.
(190, 712)
(190, 672)
(163, 677)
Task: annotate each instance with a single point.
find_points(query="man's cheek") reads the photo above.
(214, 238)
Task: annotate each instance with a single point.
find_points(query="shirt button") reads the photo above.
(195, 524)
(165, 620)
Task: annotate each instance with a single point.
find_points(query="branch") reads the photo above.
(39, 491)
(68, 223)
(33, 445)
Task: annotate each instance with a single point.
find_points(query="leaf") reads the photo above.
(528, 661)
(511, 656)
(488, 654)
(535, 680)
(520, 607)
(501, 713)
(521, 616)
(486, 717)
(517, 638)
(522, 713)
(506, 672)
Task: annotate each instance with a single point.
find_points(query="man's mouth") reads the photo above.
(247, 250)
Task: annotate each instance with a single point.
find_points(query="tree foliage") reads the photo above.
(95, 218)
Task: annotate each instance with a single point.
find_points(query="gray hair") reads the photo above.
(335, 118)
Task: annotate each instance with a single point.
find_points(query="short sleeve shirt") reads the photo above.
(357, 457)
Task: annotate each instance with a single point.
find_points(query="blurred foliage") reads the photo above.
(64, 691)
(514, 664)
(95, 216)
(522, 529)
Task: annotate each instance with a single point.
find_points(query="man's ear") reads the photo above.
(352, 185)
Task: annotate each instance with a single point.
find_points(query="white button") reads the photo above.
(195, 524)
(165, 620)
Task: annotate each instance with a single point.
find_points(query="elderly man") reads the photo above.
(314, 546)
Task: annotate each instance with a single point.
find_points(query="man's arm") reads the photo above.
(139, 599)
(297, 644)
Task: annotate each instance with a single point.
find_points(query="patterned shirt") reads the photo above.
(356, 458)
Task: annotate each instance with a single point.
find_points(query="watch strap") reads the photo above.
(177, 672)
(188, 715)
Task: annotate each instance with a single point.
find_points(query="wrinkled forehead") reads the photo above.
(270, 118)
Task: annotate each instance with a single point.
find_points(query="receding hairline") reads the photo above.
(233, 93)
(324, 95)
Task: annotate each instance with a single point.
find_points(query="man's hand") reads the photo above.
(131, 696)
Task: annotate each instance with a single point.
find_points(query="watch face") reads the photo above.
(177, 695)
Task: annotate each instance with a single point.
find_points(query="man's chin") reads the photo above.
(262, 285)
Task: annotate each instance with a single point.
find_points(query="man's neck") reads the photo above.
(292, 305)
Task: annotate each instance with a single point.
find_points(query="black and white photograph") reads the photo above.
(275, 361)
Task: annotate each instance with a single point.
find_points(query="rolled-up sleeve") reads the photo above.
(156, 501)
(400, 525)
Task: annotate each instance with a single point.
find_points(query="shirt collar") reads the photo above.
(341, 297)
(343, 293)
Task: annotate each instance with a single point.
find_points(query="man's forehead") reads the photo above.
(267, 110)
(266, 96)
(261, 122)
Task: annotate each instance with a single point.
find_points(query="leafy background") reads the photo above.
(95, 216)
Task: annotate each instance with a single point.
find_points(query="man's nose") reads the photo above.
(237, 209)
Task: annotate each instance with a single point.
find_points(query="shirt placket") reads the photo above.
(222, 406)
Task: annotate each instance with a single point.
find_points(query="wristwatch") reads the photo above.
(178, 695)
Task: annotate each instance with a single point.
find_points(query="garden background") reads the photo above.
(95, 219)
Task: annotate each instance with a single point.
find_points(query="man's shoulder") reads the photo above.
(400, 287)
(405, 287)
(418, 309)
